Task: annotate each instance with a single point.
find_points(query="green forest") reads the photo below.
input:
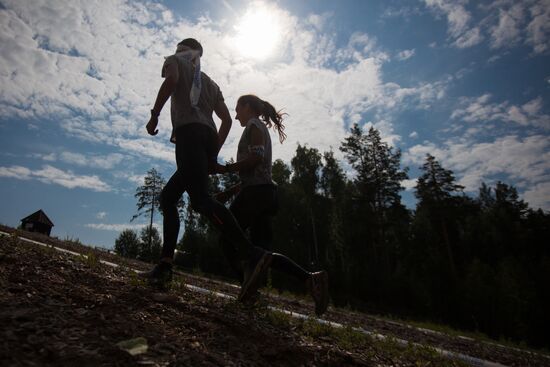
(474, 262)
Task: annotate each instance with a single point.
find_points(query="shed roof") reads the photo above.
(38, 217)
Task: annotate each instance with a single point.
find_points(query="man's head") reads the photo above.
(192, 43)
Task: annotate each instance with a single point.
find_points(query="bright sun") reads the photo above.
(258, 33)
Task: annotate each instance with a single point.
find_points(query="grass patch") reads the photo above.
(476, 335)
(92, 260)
(136, 281)
(350, 339)
(71, 240)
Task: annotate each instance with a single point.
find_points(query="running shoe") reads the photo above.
(318, 288)
(254, 272)
(160, 276)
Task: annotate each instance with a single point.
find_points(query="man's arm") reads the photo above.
(223, 113)
(165, 91)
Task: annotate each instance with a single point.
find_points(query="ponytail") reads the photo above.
(268, 114)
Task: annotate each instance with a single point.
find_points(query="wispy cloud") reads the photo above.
(507, 31)
(506, 23)
(51, 175)
(538, 30)
(458, 19)
(522, 160)
(101, 215)
(92, 160)
(405, 54)
(119, 227)
(481, 109)
(100, 80)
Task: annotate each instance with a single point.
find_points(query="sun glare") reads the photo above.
(258, 33)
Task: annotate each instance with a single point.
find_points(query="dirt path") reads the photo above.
(235, 323)
(60, 310)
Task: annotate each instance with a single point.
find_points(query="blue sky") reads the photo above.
(467, 81)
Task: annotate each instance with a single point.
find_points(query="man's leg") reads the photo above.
(161, 275)
(169, 198)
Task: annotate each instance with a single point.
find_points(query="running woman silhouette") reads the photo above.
(256, 199)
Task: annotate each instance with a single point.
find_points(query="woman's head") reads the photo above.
(249, 106)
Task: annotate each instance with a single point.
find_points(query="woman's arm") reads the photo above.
(256, 155)
(224, 196)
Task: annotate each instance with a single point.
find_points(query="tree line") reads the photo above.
(479, 263)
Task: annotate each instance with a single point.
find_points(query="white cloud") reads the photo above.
(119, 227)
(413, 135)
(92, 160)
(405, 54)
(319, 21)
(409, 184)
(96, 68)
(507, 32)
(469, 38)
(101, 215)
(538, 196)
(458, 19)
(523, 160)
(507, 23)
(51, 175)
(386, 130)
(538, 30)
(21, 173)
(480, 109)
(138, 180)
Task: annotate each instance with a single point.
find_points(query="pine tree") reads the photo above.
(148, 197)
(333, 183)
(377, 186)
(435, 189)
(306, 165)
(436, 184)
(378, 167)
(333, 178)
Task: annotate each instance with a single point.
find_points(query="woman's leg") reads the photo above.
(239, 210)
(194, 156)
(261, 232)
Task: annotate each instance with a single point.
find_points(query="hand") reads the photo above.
(223, 196)
(152, 125)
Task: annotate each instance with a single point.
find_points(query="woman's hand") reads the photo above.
(220, 168)
(223, 196)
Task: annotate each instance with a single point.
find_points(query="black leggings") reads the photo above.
(253, 208)
(196, 150)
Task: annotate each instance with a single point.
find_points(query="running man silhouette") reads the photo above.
(194, 98)
(256, 199)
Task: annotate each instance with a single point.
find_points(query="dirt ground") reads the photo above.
(60, 310)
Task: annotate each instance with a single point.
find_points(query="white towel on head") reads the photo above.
(193, 56)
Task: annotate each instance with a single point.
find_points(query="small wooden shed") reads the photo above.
(37, 222)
